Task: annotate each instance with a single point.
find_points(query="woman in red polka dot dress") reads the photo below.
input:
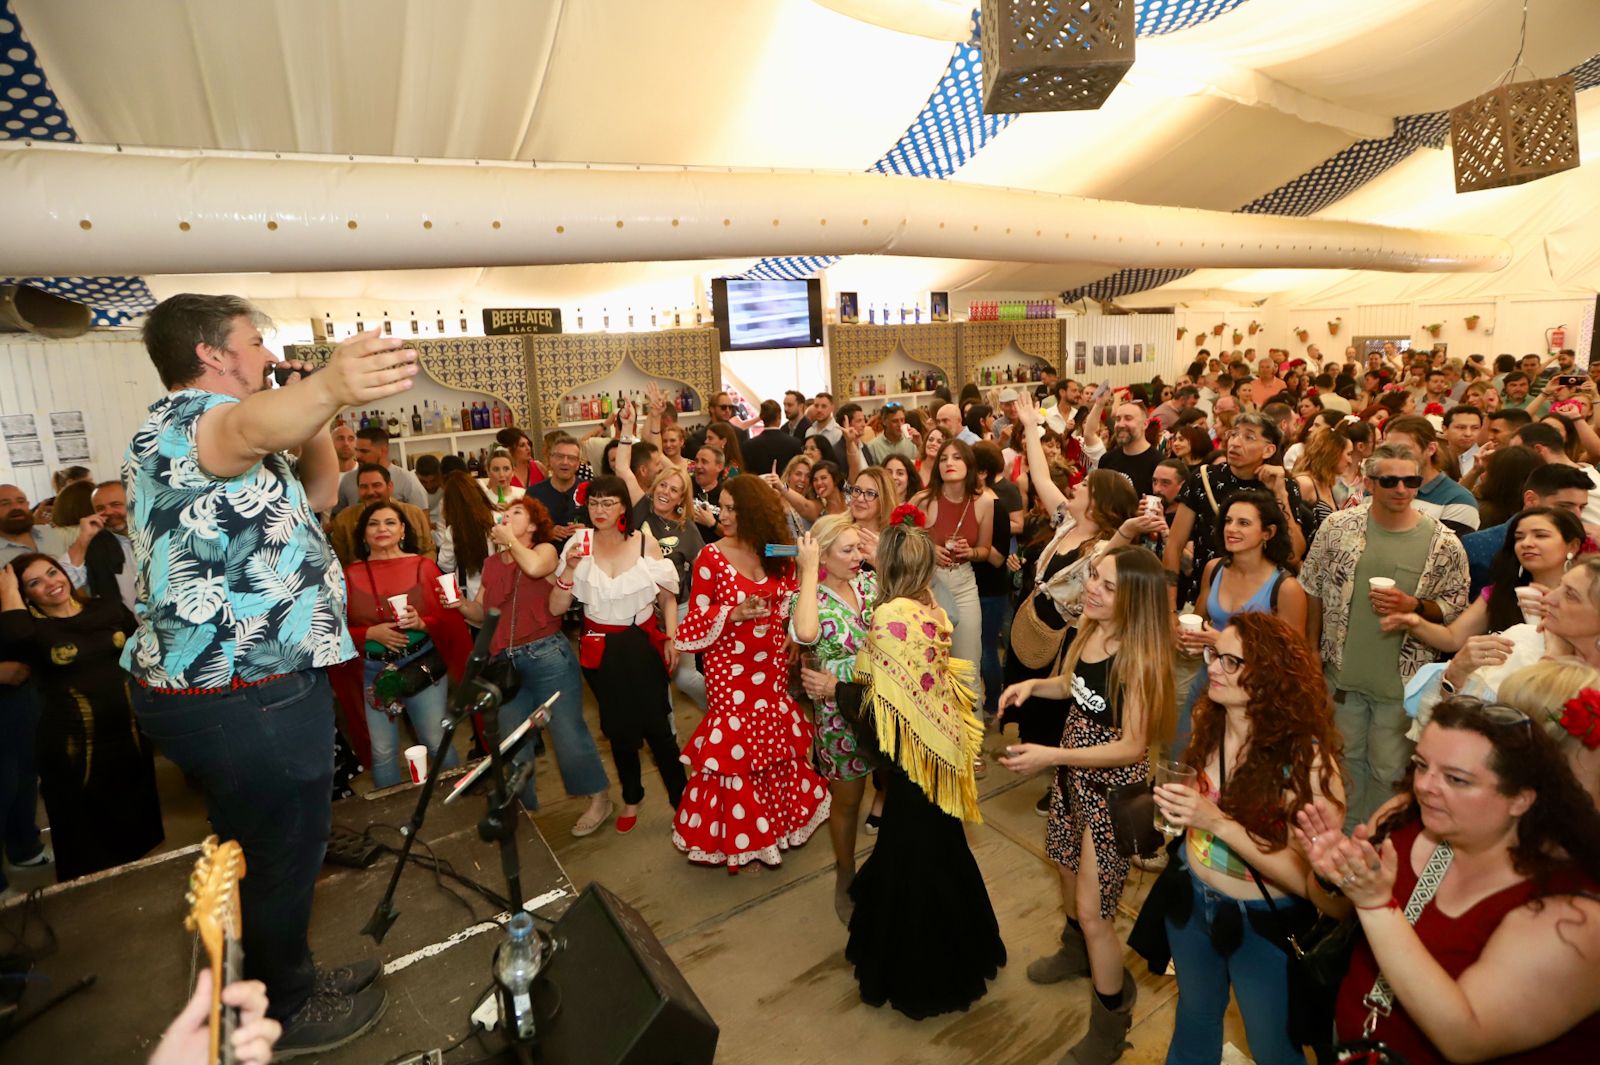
(754, 792)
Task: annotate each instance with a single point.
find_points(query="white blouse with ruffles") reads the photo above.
(629, 598)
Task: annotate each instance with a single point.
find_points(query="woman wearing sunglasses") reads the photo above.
(1264, 746)
(1477, 900)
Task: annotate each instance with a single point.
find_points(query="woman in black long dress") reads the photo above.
(96, 772)
(923, 935)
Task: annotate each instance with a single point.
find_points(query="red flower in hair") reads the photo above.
(907, 514)
(581, 496)
(1433, 408)
(1580, 716)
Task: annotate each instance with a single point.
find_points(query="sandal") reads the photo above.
(590, 821)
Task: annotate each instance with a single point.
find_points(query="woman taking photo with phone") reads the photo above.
(529, 636)
(1118, 673)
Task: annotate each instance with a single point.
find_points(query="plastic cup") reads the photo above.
(448, 587)
(399, 604)
(417, 762)
(1531, 602)
(1191, 623)
(1380, 583)
(1154, 506)
(1172, 773)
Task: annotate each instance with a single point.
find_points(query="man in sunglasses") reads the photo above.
(722, 409)
(1383, 557)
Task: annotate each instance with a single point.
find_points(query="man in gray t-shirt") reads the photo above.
(372, 449)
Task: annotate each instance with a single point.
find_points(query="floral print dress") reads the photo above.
(842, 633)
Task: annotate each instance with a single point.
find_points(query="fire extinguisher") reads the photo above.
(1558, 338)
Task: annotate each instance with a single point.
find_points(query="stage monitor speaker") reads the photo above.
(618, 997)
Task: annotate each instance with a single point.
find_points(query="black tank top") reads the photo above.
(1091, 685)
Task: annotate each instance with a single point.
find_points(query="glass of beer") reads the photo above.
(1172, 773)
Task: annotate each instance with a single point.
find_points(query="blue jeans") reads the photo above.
(994, 609)
(545, 667)
(426, 710)
(264, 759)
(1257, 971)
(19, 784)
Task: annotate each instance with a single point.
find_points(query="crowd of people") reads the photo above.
(1368, 588)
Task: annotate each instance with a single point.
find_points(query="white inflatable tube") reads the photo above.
(73, 210)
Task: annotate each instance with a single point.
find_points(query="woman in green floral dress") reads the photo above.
(844, 612)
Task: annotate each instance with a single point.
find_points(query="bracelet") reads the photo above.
(565, 586)
(1387, 904)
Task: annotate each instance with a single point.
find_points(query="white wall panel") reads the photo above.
(106, 376)
(1163, 353)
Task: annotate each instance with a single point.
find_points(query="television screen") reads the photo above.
(767, 314)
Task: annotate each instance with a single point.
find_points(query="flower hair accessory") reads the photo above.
(1580, 716)
(907, 514)
(581, 496)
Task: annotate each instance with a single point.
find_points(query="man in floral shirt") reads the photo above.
(244, 609)
(1419, 567)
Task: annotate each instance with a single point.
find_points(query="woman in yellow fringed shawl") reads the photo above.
(923, 935)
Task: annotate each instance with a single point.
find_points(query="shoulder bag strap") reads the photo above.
(1380, 1000)
(1205, 483)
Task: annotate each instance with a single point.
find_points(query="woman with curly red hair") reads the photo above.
(754, 792)
(1264, 745)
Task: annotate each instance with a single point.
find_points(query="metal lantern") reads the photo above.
(1515, 133)
(1054, 55)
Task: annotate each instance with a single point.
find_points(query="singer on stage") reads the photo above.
(245, 609)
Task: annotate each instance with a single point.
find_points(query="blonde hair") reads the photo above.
(888, 494)
(905, 564)
(681, 475)
(1142, 621)
(829, 528)
(1540, 690)
(790, 466)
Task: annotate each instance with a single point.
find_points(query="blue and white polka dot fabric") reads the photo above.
(29, 110)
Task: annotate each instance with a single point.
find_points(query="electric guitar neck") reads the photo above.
(214, 916)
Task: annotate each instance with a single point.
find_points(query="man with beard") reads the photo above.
(1130, 453)
(1253, 443)
(103, 545)
(19, 535)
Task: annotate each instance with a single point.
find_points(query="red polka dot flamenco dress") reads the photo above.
(753, 792)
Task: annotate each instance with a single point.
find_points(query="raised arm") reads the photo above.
(1050, 497)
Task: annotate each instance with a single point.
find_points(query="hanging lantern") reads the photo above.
(1518, 132)
(1043, 56)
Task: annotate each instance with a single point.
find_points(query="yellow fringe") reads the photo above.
(953, 789)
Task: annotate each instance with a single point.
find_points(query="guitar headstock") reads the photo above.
(213, 896)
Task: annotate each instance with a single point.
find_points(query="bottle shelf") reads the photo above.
(583, 423)
(452, 434)
(896, 397)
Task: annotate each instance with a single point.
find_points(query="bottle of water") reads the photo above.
(516, 964)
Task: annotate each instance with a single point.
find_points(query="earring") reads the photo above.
(822, 573)
(1570, 556)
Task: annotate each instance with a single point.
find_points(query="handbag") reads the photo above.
(1133, 816)
(1036, 644)
(415, 669)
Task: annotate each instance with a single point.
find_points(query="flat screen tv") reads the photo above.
(767, 314)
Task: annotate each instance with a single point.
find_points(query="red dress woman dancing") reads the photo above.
(754, 792)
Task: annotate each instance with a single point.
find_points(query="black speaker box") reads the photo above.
(615, 995)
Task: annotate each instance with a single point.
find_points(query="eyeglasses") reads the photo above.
(1394, 480)
(887, 407)
(1231, 664)
(604, 502)
(1495, 713)
(869, 494)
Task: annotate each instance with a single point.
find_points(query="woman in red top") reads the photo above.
(1502, 961)
(961, 522)
(388, 566)
(525, 473)
(516, 582)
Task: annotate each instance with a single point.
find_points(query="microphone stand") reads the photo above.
(472, 695)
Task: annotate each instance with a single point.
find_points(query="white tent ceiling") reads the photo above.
(1212, 117)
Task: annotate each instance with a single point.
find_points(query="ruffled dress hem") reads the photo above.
(770, 855)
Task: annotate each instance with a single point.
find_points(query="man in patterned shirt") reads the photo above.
(245, 608)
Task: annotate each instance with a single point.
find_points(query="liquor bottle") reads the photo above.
(447, 421)
(388, 325)
(882, 383)
(480, 415)
(327, 328)
(474, 467)
(516, 965)
(580, 320)
(466, 417)
(361, 327)
(652, 317)
(630, 317)
(872, 315)
(416, 327)
(917, 313)
(438, 417)
(462, 314)
(605, 404)
(677, 319)
(438, 322)
(416, 421)
(495, 421)
(392, 425)
(508, 419)
(605, 318)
